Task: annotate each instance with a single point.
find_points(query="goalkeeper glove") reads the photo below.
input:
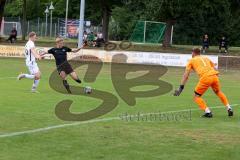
(179, 91)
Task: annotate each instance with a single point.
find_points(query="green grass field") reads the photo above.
(113, 139)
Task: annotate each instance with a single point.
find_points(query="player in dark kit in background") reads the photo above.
(63, 67)
(223, 44)
(13, 35)
(205, 43)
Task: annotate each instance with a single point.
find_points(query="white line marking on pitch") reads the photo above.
(85, 122)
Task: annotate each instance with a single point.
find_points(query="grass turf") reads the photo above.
(198, 138)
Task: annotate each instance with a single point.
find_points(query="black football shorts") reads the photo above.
(66, 67)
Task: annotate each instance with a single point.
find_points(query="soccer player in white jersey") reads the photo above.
(31, 56)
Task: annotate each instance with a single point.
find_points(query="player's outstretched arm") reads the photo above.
(183, 82)
(35, 54)
(214, 65)
(76, 50)
(43, 53)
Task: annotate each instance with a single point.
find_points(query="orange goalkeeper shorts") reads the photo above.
(206, 82)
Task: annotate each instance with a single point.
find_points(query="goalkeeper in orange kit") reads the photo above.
(208, 77)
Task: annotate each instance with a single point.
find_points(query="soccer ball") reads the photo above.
(87, 90)
(41, 51)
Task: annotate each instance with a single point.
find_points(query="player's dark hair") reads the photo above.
(196, 51)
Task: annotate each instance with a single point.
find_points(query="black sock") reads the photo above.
(78, 80)
(66, 85)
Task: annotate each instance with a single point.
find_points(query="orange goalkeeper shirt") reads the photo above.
(202, 65)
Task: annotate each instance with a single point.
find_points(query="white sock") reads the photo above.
(207, 110)
(228, 106)
(35, 84)
(29, 76)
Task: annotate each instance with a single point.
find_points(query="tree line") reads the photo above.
(191, 19)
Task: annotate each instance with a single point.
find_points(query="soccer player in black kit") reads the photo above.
(63, 67)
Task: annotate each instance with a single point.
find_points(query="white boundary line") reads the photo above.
(13, 134)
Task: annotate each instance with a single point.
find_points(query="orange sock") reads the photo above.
(223, 98)
(201, 103)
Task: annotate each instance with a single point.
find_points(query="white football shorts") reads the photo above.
(32, 67)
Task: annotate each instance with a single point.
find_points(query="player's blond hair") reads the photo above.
(59, 39)
(31, 34)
